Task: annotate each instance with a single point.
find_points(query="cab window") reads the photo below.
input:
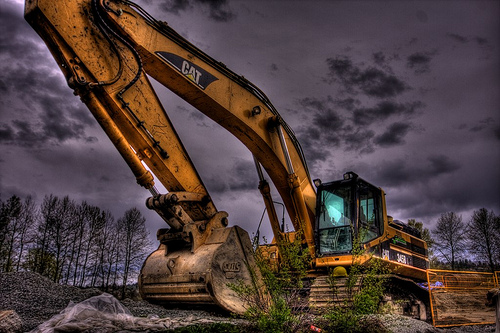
(368, 213)
(335, 221)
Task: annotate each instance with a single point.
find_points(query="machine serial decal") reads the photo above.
(196, 74)
(398, 241)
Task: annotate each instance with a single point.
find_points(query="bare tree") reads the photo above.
(61, 233)
(54, 236)
(450, 237)
(102, 246)
(71, 243)
(484, 237)
(80, 234)
(28, 220)
(41, 258)
(112, 256)
(4, 222)
(135, 244)
(10, 217)
(93, 223)
(75, 233)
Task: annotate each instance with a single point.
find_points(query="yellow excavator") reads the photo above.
(105, 48)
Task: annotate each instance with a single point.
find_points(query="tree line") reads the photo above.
(458, 245)
(72, 243)
(83, 245)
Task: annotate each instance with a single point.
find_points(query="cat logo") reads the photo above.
(194, 73)
(191, 72)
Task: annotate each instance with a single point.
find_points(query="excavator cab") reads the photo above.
(347, 210)
(352, 212)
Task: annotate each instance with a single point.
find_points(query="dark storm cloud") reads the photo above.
(359, 139)
(20, 133)
(419, 62)
(341, 123)
(325, 130)
(314, 148)
(348, 103)
(497, 132)
(53, 128)
(319, 144)
(240, 177)
(219, 10)
(379, 58)
(481, 41)
(383, 110)
(6, 133)
(394, 135)
(41, 108)
(371, 81)
(384, 61)
(487, 125)
(458, 38)
(324, 117)
(441, 164)
(175, 6)
(400, 172)
(356, 123)
(482, 124)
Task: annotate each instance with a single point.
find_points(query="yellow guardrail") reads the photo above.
(459, 297)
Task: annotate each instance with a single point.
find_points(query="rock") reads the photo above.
(10, 322)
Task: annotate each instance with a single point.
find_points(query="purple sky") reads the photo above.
(404, 93)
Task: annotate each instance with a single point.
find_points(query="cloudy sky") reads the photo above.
(404, 93)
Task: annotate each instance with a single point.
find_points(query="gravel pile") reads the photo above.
(146, 309)
(402, 324)
(35, 298)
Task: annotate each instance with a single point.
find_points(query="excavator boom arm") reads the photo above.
(106, 48)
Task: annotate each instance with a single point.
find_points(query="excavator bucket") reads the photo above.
(202, 276)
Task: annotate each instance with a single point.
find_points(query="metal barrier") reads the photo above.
(459, 298)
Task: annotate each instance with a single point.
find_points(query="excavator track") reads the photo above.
(327, 292)
(402, 296)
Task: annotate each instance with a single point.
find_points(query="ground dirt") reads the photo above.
(36, 299)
